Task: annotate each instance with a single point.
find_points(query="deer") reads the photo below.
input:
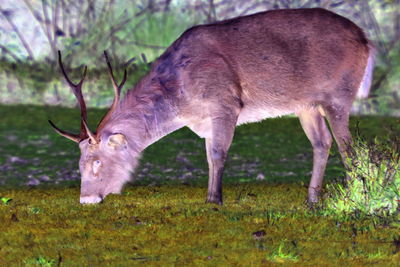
(311, 63)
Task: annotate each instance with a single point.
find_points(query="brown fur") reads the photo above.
(310, 62)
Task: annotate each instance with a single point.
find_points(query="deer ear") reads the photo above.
(117, 141)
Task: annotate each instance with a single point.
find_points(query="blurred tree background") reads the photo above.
(136, 32)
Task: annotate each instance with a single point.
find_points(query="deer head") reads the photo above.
(105, 163)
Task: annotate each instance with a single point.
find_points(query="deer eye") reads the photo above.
(96, 166)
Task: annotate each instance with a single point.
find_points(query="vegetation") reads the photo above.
(172, 225)
(373, 185)
(161, 218)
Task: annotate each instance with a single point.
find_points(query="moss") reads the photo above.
(172, 225)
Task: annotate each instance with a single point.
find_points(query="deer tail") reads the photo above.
(365, 86)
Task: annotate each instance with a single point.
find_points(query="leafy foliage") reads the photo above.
(5, 200)
(373, 185)
(40, 261)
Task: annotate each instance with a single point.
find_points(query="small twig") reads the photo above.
(60, 259)
(148, 45)
(250, 8)
(56, 10)
(130, 61)
(144, 58)
(64, 16)
(20, 36)
(116, 28)
(48, 28)
(7, 51)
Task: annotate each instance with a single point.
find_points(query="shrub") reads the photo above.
(373, 182)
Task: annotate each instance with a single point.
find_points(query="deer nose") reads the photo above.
(90, 199)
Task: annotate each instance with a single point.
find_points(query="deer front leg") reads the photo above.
(217, 149)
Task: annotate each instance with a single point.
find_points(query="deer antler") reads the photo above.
(117, 92)
(77, 90)
(70, 136)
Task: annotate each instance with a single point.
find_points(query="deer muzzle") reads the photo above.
(90, 199)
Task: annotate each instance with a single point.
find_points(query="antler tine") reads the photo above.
(92, 137)
(77, 90)
(117, 93)
(117, 88)
(65, 73)
(70, 136)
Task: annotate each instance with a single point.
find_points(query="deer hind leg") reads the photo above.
(314, 126)
(338, 118)
(217, 147)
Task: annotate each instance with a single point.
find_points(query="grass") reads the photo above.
(172, 225)
(161, 219)
(281, 257)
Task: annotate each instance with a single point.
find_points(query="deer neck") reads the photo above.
(146, 114)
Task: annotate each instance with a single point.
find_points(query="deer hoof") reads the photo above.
(214, 199)
(313, 195)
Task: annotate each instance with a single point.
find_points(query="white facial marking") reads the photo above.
(96, 166)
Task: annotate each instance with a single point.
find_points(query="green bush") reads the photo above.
(373, 181)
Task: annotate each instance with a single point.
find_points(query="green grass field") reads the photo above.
(161, 218)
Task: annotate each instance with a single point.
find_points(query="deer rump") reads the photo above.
(310, 62)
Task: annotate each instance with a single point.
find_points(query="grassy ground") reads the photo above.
(161, 219)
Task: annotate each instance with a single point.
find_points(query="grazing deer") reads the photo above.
(310, 62)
